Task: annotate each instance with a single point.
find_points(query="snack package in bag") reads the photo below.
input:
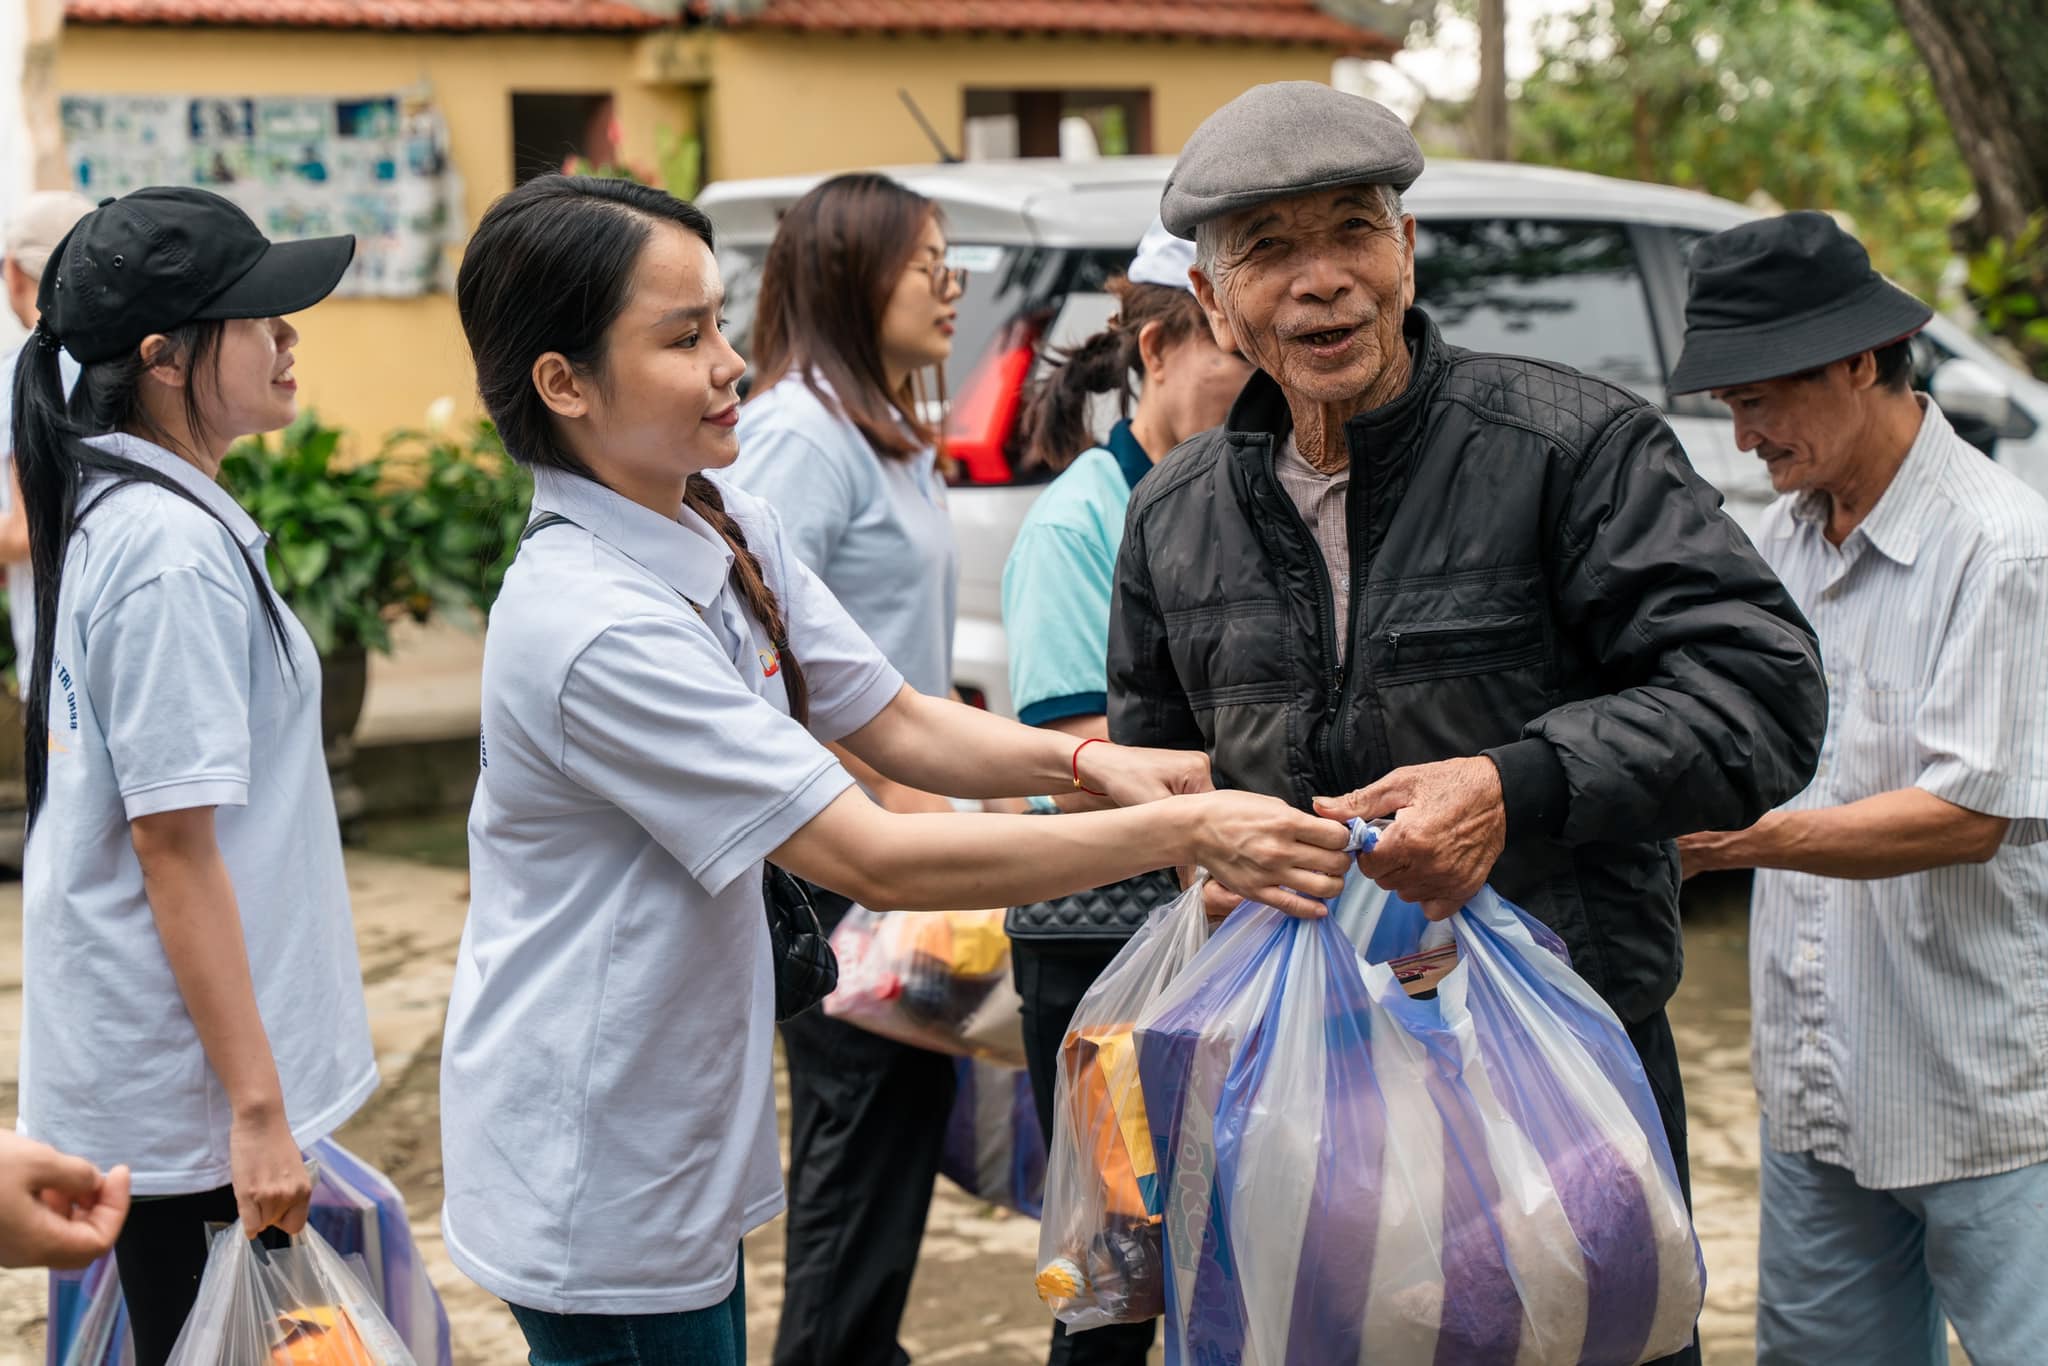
(1098, 1245)
(937, 980)
(993, 1148)
(355, 1208)
(300, 1305)
(1476, 1176)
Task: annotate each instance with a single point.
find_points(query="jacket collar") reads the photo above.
(188, 477)
(1376, 438)
(1130, 455)
(684, 552)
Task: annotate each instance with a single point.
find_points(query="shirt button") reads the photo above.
(1811, 953)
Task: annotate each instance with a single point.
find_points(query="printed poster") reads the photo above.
(376, 166)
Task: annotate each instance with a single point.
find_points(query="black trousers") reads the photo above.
(160, 1254)
(1052, 976)
(867, 1120)
(1051, 979)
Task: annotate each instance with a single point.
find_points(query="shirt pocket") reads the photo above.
(1877, 747)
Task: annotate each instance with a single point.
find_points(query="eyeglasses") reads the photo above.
(945, 279)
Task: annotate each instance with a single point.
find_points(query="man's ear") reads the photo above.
(1862, 370)
(564, 391)
(1219, 322)
(1407, 263)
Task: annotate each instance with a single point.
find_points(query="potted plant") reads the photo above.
(426, 526)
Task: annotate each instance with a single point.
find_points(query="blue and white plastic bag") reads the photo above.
(1351, 1175)
(993, 1149)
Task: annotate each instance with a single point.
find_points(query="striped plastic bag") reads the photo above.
(993, 1148)
(355, 1208)
(1354, 1175)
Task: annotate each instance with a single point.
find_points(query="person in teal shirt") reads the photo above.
(1056, 593)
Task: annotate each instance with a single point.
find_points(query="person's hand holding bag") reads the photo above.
(272, 1186)
(1262, 849)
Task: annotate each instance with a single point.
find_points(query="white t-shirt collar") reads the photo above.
(188, 477)
(686, 553)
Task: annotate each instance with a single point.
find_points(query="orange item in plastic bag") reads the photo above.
(321, 1335)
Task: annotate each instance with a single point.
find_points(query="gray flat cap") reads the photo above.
(1287, 138)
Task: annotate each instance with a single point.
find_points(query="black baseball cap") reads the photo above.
(169, 255)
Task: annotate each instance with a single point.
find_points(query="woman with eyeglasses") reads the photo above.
(854, 319)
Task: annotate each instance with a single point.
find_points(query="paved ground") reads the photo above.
(972, 1302)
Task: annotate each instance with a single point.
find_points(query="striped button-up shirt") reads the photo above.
(1901, 1025)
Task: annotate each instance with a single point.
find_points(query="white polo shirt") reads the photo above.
(607, 1102)
(167, 693)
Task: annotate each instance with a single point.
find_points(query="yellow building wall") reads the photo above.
(371, 365)
(787, 103)
(773, 104)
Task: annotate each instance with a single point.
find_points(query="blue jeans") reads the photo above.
(697, 1337)
(1847, 1274)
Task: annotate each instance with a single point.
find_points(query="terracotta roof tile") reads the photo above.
(447, 15)
(1272, 21)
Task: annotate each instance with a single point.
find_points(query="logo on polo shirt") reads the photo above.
(62, 678)
(771, 661)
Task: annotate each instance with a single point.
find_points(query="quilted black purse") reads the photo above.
(806, 969)
(1100, 915)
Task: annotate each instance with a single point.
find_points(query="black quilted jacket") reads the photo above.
(1538, 576)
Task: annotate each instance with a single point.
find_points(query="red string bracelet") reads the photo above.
(1092, 740)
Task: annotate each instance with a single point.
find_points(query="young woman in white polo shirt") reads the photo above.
(191, 1001)
(660, 675)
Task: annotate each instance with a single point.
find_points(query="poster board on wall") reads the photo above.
(300, 166)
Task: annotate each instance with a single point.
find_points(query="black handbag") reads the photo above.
(806, 969)
(1097, 916)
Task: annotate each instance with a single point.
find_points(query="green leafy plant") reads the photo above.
(424, 527)
(2007, 282)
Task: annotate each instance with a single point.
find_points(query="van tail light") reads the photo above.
(984, 417)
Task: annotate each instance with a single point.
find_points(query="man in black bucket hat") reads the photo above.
(1899, 997)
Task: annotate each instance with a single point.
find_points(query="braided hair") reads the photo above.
(549, 269)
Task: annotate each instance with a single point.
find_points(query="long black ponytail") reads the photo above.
(53, 462)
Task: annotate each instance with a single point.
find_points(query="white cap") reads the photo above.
(1162, 259)
(35, 229)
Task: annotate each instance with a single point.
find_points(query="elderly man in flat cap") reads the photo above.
(1899, 932)
(1483, 594)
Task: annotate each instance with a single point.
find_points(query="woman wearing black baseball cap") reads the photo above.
(192, 1003)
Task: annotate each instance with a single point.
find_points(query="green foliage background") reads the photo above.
(1819, 104)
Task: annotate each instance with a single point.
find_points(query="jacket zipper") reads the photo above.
(1431, 630)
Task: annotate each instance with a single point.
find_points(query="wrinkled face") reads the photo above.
(663, 405)
(1312, 290)
(917, 326)
(1807, 429)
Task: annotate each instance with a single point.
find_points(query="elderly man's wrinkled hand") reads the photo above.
(1450, 825)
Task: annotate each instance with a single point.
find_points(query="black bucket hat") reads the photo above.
(169, 255)
(1782, 296)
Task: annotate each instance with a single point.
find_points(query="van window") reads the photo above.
(1560, 291)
